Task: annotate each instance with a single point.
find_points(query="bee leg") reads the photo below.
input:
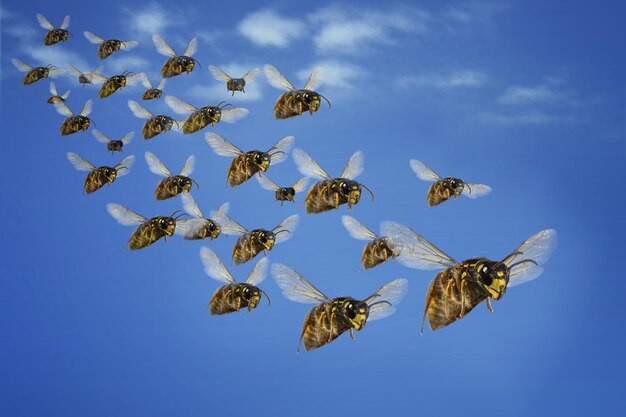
(352, 334)
(463, 285)
(489, 305)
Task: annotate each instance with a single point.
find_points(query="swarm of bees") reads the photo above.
(455, 290)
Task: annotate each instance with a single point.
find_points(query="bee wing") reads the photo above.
(156, 166)
(79, 162)
(179, 106)
(295, 287)
(132, 79)
(218, 74)
(383, 302)
(146, 83)
(192, 47)
(53, 89)
(280, 151)
(267, 183)
(357, 229)
(43, 22)
(276, 79)
(161, 83)
(86, 108)
(314, 80)
(251, 75)
(307, 165)
(101, 137)
(300, 184)
(21, 66)
(65, 95)
(190, 206)
(188, 228)
(128, 45)
(525, 261)
(125, 216)
(414, 250)
(73, 70)
(62, 109)
(139, 110)
(66, 22)
(288, 225)
(55, 72)
(214, 267)
(127, 164)
(162, 47)
(127, 138)
(423, 172)
(354, 167)
(233, 114)
(93, 38)
(258, 273)
(473, 190)
(228, 225)
(221, 146)
(221, 211)
(95, 78)
(188, 167)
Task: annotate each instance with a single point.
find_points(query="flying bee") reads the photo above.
(246, 164)
(234, 295)
(445, 188)
(148, 231)
(234, 84)
(199, 227)
(171, 185)
(204, 116)
(155, 124)
(112, 84)
(34, 74)
(294, 102)
(85, 77)
(113, 145)
(55, 95)
(54, 35)
(74, 123)
(282, 193)
(99, 176)
(332, 317)
(330, 193)
(152, 92)
(107, 47)
(377, 250)
(176, 64)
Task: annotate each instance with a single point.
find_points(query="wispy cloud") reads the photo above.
(127, 63)
(153, 18)
(474, 11)
(338, 75)
(268, 28)
(454, 79)
(531, 117)
(216, 90)
(539, 94)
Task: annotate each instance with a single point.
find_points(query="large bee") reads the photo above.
(54, 35)
(246, 164)
(294, 102)
(332, 317)
(55, 94)
(148, 231)
(202, 117)
(37, 73)
(233, 84)
(199, 227)
(74, 123)
(445, 188)
(176, 64)
(155, 124)
(234, 295)
(112, 84)
(252, 242)
(171, 185)
(152, 92)
(99, 176)
(377, 250)
(84, 77)
(113, 145)
(282, 193)
(330, 193)
(107, 47)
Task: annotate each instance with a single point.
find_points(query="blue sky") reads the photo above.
(526, 97)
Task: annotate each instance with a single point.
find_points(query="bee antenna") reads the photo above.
(91, 120)
(281, 231)
(329, 105)
(276, 153)
(380, 302)
(196, 61)
(523, 262)
(194, 181)
(223, 104)
(468, 187)
(266, 296)
(370, 191)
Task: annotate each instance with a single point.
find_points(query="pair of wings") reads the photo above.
(24, 67)
(278, 80)
(125, 216)
(82, 164)
(146, 83)
(214, 268)
(223, 147)
(471, 190)
(229, 115)
(297, 288)
(95, 39)
(63, 110)
(231, 227)
(45, 23)
(307, 166)
(189, 227)
(270, 185)
(357, 229)
(163, 47)
(130, 79)
(89, 75)
(139, 110)
(220, 75)
(157, 167)
(54, 92)
(101, 137)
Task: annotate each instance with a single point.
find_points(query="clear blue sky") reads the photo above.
(526, 97)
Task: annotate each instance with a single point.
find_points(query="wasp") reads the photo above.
(202, 117)
(246, 164)
(198, 226)
(152, 92)
(377, 250)
(294, 102)
(282, 193)
(234, 295)
(330, 193)
(171, 185)
(86, 77)
(107, 47)
(112, 84)
(55, 95)
(113, 145)
(234, 84)
(155, 124)
(176, 64)
(445, 188)
(148, 231)
(332, 317)
(34, 74)
(74, 123)
(99, 176)
(54, 35)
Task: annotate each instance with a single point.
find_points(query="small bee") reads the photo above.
(152, 92)
(149, 230)
(74, 123)
(171, 185)
(54, 35)
(377, 250)
(332, 317)
(445, 188)
(113, 145)
(107, 47)
(246, 164)
(55, 95)
(85, 77)
(155, 124)
(112, 84)
(100, 176)
(330, 193)
(202, 117)
(176, 64)
(294, 102)
(233, 84)
(282, 193)
(252, 242)
(37, 73)
(234, 295)
(199, 227)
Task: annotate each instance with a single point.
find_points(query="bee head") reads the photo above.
(168, 224)
(357, 312)
(351, 190)
(238, 84)
(262, 160)
(212, 229)
(267, 238)
(493, 277)
(165, 122)
(114, 44)
(111, 173)
(455, 184)
(187, 62)
(288, 193)
(83, 121)
(252, 295)
(115, 145)
(183, 182)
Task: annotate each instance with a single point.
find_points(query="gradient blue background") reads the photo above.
(527, 97)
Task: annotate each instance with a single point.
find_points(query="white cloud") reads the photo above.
(531, 117)
(127, 63)
(45, 55)
(151, 19)
(216, 91)
(462, 78)
(540, 94)
(267, 28)
(334, 74)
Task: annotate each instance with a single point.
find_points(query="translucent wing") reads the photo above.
(73, 70)
(295, 287)
(128, 45)
(307, 165)
(79, 162)
(86, 108)
(161, 83)
(473, 190)
(62, 109)
(284, 230)
(300, 184)
(66, 22)
(422, 171)
(43, 22)
(22, 66)
(354, 167)
(101, 137)
(94, 77)
(221, 146)
(55, 72)
(156, 166)
(127, 138)
(125, 216)
(53, 89)
(65, 95)
(214, 267)
(251, 75)
(192, 47)
(222, 210)
(314, 80)
(139, 110)
(258, 273)
(132, 79)
(188, 167)
(228, 225)
(267, 183)
(179, 106)
(218, 74)
(146, 83)
(280, 151)
(525, 261)
(276, 79)
(190, 206)
(125, 165)
(357, 229)
(162, 47)
(383, 302)
(189, 228)
(93, 38)
(233, 114)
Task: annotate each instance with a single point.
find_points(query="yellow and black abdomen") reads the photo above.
(321, 197)
(95, 180)
(241, 170)
(145, 235)
(375, 253)
(227, 299)
(321, 326)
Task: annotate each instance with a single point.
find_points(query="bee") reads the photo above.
(100, 176)
(113, 145)
(55, 95)
(199, 227)
(294, 102)
(234, 84)
(330, 193)
(148, 231)
(74, 123)
(246, 164)
(377, 250)
(176, 64)
(234, 295)
(85, 77)
(155, 124)
(112, 84)
(152, 92)
(332, 317)
(445, 188)
(37, 73)
(282, 193)
(171, 185)
(252, 242)
(107, 47)
(54, 35)
(202, 117)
